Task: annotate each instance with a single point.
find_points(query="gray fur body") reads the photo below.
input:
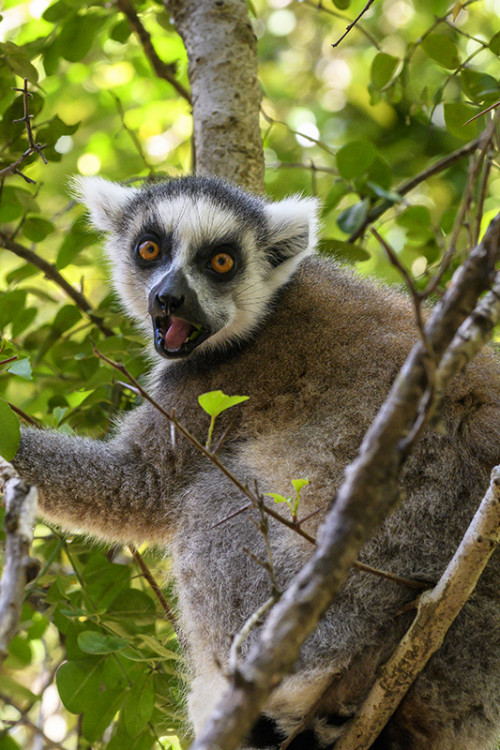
(317, 362)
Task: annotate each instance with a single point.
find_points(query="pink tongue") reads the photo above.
(177, 333)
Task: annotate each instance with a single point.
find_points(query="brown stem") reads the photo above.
(53, 274)
(155, 587)
(166, 71)
(405, 187)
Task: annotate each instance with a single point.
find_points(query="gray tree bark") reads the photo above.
(222, 52)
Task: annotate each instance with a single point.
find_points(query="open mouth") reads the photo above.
(175, 337)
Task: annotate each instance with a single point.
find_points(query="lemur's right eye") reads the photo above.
(148, 250)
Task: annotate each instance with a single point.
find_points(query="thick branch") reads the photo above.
(167, 71)
(222, 52)
(436, 611)
(368, 493)
(53, 274)
(21, 502)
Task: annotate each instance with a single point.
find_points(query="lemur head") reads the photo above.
(197, 256)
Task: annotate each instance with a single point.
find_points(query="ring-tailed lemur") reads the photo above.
(229, 287)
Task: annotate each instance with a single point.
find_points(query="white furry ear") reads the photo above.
(293, 227)
(105, 200)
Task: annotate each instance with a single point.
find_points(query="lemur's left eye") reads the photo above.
(148, 250)
(222, 262)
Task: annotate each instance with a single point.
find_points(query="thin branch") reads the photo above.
(436, 611)
(319, 6)
(33, 148)
(145, 571)
(474, 168)
(166, 71)
(53, 274)
(7, 700)
(353, 23)
(246, 629)
(21, 501)
(405, 187)
(135, 140)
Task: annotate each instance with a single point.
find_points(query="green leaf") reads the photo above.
(278, 498)
(354, 158)
(442, 49)
(298, 484)
(139, 704)
(342, 4)
(382, 69)
(21, 272)
(121, 31)
(10, 434)
(215, 402)
(66, 318)
(58, 10)
(479, 86)
(21, 367)
(458, 113)
(78, 34)
(494, 44)
(414, 217)
(15, 201)
(18, 60)
(334, 195)
(93, 642)
(79, 237)
(78, 682)
(345, 250)
(36, 229)
(8, 743)
(352, 218)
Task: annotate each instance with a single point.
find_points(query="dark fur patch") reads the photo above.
(265, 733)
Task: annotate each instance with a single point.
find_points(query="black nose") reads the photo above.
(169, 302)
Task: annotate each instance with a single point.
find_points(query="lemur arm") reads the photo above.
(105, 488)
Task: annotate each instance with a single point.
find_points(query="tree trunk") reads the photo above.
(222, 52)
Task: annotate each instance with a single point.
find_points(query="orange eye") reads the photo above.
(149, 250)
(222, 262)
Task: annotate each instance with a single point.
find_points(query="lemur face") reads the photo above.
(196, 259)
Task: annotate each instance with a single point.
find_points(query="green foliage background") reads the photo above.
(350, 124)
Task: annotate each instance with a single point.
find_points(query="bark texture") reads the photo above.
(222, 52)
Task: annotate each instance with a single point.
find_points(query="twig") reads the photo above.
(170, 616)
(436, 611)
(319, 6)
(166, 71)
(353, 23)
(483, 112)
(28, 723)
(133, 136)
(243, 634)
(27, 418)
(21, 502)
(474, 167)
(33, 148)
(53, 274)
(405, 187)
